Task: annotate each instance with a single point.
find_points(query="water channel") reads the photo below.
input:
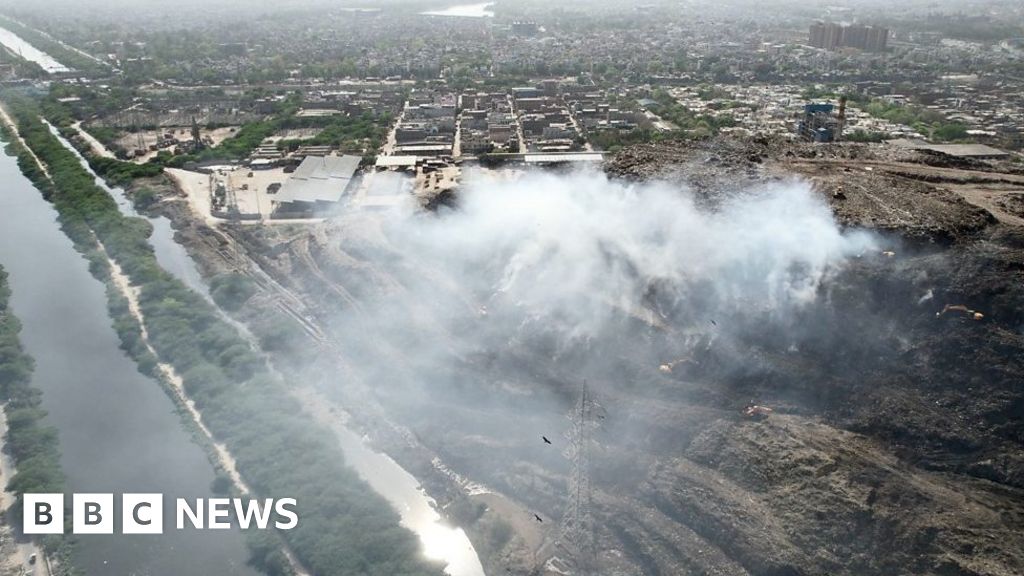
(119, 432)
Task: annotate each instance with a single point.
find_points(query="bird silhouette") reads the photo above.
(714, 323)
(545, 438)
(539, 519)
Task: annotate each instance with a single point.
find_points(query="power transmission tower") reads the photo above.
(577, 530)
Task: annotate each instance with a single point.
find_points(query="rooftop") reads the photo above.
(319, 178)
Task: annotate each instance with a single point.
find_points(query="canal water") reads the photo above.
(119, 432)
(29, 52)
(171, 256)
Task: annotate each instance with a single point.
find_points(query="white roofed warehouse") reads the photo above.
(316, 185)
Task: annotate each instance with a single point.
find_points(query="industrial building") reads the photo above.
(818, 124)
(316, 185)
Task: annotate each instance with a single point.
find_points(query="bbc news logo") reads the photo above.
(144, 513)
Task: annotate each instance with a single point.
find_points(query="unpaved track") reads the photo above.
(95, 145)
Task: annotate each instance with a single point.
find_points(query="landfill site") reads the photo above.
(728, 356)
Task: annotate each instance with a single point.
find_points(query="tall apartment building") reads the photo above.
(830, 36)
(877, 40)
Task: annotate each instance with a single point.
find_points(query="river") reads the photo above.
(119, 432)
(15, 44)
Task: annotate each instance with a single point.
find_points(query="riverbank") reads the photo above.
(16, 554)
(167, 372)
(220, 454)
(17, 45)
(19, 553)
(119, 431)
(54, 56)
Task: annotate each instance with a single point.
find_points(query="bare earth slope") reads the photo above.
(912, 460)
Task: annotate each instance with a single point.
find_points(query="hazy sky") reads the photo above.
(88, 6)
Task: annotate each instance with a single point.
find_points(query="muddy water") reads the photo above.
(118, 430)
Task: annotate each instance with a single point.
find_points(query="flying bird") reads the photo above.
(546, 441)
(539, 519)
(714, 323)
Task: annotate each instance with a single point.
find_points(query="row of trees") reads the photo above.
(32, 445)
(344, 526)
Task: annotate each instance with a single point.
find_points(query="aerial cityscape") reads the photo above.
(516, 287)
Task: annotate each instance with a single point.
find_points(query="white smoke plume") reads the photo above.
(573, 251)
(475, 325)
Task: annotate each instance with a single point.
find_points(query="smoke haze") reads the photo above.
(574, 251)
(535, 282)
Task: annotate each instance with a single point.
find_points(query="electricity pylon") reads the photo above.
(576, 537)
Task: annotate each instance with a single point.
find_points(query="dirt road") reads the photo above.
(97, 147)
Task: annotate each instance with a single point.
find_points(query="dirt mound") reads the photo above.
(862, 183)
(897, 456)
(913, 209)
(1014, 205)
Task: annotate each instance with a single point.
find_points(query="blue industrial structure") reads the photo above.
(818, 124)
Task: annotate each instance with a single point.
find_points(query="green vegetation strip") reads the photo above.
(32, 445)
(344, 526)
